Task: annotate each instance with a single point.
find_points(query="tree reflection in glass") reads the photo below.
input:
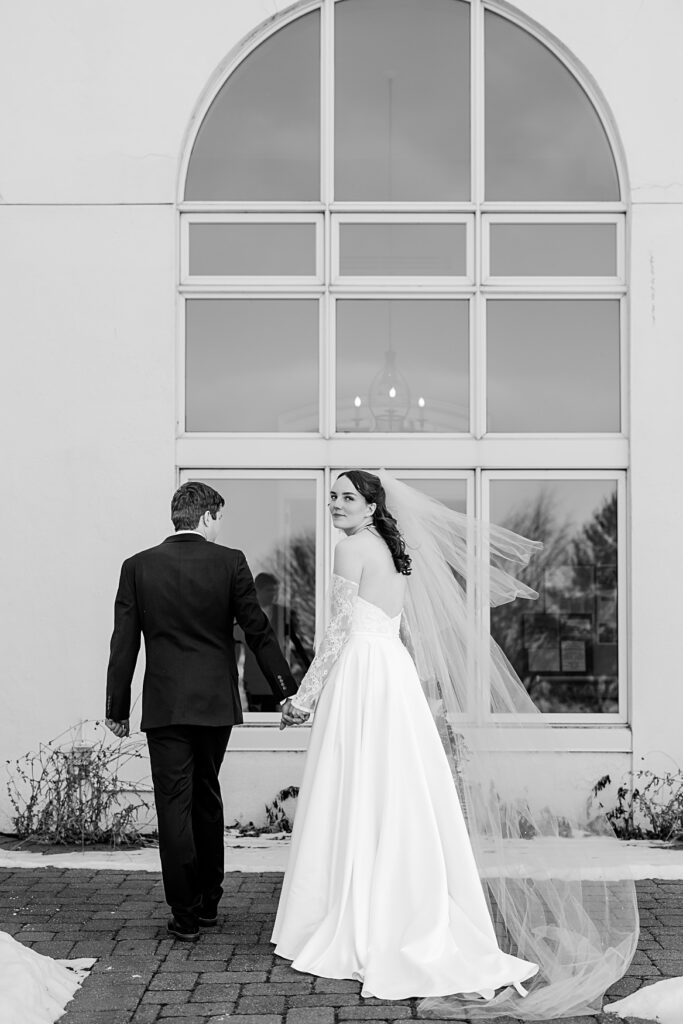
(273, 522)
(563, 646)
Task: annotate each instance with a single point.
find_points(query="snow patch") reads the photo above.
(592, 858)
(662, 1002)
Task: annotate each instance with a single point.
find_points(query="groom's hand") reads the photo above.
(120, 729)
(292, 715)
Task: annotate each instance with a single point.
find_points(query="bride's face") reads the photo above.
(349, 509)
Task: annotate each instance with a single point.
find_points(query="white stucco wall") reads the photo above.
(96, 103)
(87, 310)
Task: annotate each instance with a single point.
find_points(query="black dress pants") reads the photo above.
(185, 762)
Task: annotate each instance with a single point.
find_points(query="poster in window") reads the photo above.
(542, 641)
(573, 656)
(576, 632)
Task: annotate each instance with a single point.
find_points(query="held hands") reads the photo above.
(292, 715)
(120, 729)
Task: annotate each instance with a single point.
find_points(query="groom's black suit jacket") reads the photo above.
(184, 597)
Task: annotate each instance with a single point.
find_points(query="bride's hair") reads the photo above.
(370, 487)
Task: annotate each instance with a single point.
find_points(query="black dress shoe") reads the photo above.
(207, 915)
(184, 932)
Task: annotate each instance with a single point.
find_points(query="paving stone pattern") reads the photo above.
(231, 976)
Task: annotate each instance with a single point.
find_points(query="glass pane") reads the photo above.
(273, 522)
(451, 493)
(403, 250)
(544, 140)
(402, 100)
(252, 365)
(402, 365)
(564, 645)
(554, 250)
(260, 138)
(553, 365)
(252, 249)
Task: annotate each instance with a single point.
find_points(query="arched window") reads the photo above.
(402, 230)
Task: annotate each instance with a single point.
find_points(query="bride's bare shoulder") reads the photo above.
(357, 545)
(349, 557)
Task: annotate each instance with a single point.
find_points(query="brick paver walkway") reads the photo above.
(231, 975)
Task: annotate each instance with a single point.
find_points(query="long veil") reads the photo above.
(540, 869)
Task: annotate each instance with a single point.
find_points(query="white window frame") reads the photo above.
(542, 718)
(484, 455)
(615, 283)
(376, 282)
(405, 295)
(214, 295)
(228, 283)
(575, 437)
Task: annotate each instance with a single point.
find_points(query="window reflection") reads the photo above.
(273, 522)
(564, 646)
(251, 365)
(402, 365)
(385, 250)
(402, 107)
(553, 365)
(451, 493)
(553, 250)
(261, 136)
(544, 139)
(252, 249)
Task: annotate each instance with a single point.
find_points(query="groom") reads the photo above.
(184, 596)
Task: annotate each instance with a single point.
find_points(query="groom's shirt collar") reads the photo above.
(185, 536)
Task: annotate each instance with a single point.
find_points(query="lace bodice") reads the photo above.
(350, 614)
(369, 618)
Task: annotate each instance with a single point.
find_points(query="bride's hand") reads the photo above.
(292, 715)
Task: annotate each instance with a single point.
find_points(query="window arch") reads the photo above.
(402, 242)
(446, 190)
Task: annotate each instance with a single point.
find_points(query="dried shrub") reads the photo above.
(73, 791)
(649, 805)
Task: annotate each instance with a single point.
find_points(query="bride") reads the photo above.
(400, 805)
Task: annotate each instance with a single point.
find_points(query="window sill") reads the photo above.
(268, 737)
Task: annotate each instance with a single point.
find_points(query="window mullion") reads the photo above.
(481, 612)
(478, 334)
(327, 102)
(477, 101)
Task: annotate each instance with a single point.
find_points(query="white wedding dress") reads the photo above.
(381, 884)
(34, 989)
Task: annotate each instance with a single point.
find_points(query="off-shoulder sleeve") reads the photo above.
(343, 595)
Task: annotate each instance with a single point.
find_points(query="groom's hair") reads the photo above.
(191, 501)
(266, 579)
